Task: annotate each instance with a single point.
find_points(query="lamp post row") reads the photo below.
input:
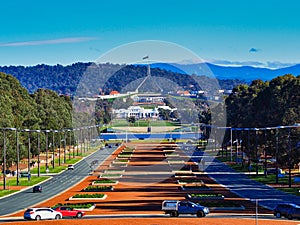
(4, 130)
(277, 128)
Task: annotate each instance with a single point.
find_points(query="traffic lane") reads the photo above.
(245, 187)
(59, 183)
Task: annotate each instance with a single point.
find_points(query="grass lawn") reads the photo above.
(6, 192)
(23, 181)
(293, 191)
(142, 123)
(62, 167)
(270, 179)
(238, 166)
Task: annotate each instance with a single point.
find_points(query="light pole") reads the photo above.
(65, 145)
(39, 150)
(276, 153)
(70, 143)
(238, 142)
(18, 155)
(77, 141)
(53, 147)
(81, 136)
(84, 138)
(256, 151)
(248, 149)
(47, 132)
(230, 144)
(265, 150)
(289, 155)
(28, 155)
(59, 146)
(4, 159)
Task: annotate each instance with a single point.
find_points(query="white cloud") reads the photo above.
(270, 65)
(47, 42)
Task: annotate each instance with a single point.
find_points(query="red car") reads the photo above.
(69, 212)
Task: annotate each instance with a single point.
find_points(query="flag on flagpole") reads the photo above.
(146, 57)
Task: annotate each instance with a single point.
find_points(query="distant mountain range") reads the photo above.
(246, 73)
(65, 79)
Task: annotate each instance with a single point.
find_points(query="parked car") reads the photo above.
(273, 171)
(69, 212)
(70, 167)
(294, 213)
(41, 214)
(24, 174)
(175, 208)
(282, 209)
(37, 188)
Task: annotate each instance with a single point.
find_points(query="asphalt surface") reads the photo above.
(239, 183)
(57, 184)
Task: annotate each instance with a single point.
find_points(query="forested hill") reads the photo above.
(61, 79)
(44, 109)
(65, 79)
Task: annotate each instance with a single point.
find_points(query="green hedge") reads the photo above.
(98, 188)
(77, 206)
(105, 181)
(88, 196)
(198, 195)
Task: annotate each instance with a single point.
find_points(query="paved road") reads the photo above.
(243, 186)
(59, 183)
(239, 183)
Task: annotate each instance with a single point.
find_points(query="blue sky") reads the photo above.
(264, 33)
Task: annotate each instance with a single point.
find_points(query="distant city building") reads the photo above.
(183, 93)
(140, 112)
(137, 112)
(148, 99)
(114, 93)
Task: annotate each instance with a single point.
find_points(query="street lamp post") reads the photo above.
(256, 151)
(230, 144)
(4, 159)
(265, 153)
(84, 137)
(276, 153)
(53, 147)
(70, 143)
(238, 144)
(77, 141)
(289, 155)
(18, 155)
(65, 145)
(39, 151)
(47, 145)
(28, 155)
(59, 146)
(81, 136)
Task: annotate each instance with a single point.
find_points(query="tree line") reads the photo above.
(259, 104)
(42, 110)
(272, 104)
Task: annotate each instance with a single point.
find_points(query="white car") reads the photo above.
(70, 167)
(41, 214)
